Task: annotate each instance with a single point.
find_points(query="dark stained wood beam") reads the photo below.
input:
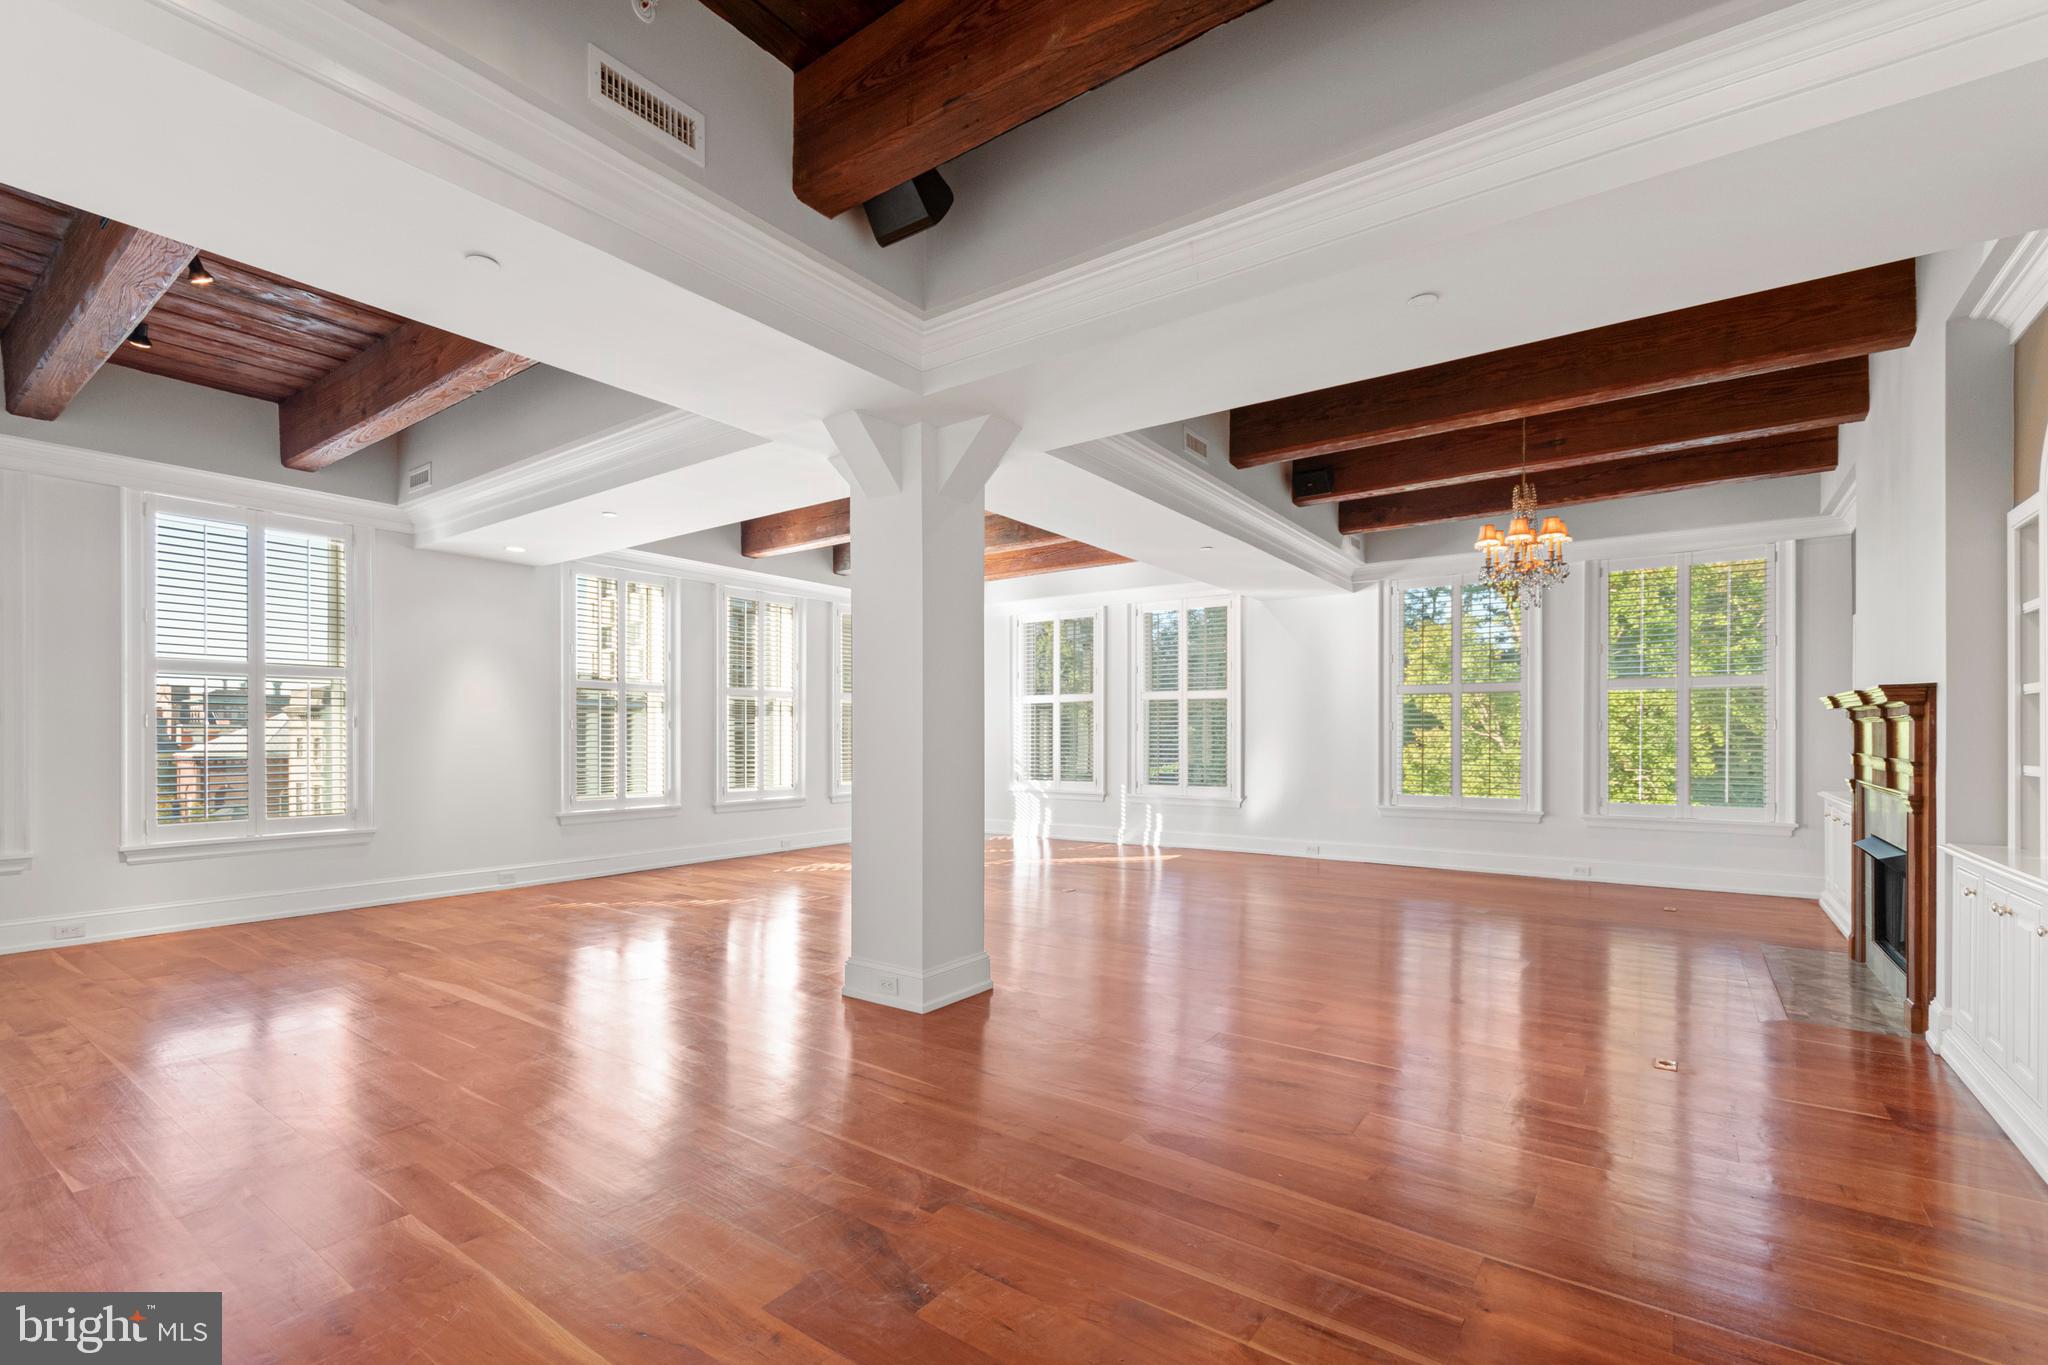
(103, 281)
(932, 79)
(1067, 554)
(1808, 452)
(1856, 314)
(1772, 404)
(831, 524)
(409, 375)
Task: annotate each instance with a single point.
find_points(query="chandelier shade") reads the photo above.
(1523, 563)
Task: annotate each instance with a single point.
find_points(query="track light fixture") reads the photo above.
(197, 273)
(139, 338)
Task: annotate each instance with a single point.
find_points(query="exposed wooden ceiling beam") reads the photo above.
(1067, 554)
(1856, 314)
(102, 282)
(1771, 404)
(409, 375)
(932, 79)
(1807, 452)
(831, 524)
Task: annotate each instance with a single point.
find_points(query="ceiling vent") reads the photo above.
(658, 115)
(419, 478)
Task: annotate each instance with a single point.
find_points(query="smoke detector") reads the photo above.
(645, 9)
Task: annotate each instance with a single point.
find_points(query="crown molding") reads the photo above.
(1144, 466)
(667, 440)
(1686, 540)
(705, 571)
(2012, 288)
(1805, 62)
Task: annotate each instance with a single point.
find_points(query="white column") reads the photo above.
(919, 798)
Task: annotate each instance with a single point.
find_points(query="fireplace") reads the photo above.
(1891, 791)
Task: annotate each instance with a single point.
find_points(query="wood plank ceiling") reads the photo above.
(1744, 388)
(344, 374)
(889, 89)
(1013, 549)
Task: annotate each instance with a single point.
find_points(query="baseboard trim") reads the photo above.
(33, 935)
(2027, 1128)
(1836, 911)
(1730, 879)
(918, 992)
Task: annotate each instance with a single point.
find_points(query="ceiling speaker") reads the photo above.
(910, 208)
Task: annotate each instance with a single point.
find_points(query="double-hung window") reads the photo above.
(1462, 723)
(1188, 719)
(1688, 716)
(842, 702)
(249, 709)
(621, 749)
(1056, 688)
(760, 699)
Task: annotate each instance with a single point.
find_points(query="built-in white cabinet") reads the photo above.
(2026, 572)
(1838, 858)
(1994, 1007)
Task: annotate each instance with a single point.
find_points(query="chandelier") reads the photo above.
(1522, 563)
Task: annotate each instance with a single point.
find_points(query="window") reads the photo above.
(249, 699)
(760, 699)
(620, 692)
(1462, 699)
(842, 707)
(1056, 690)
(1187, 722)
(1688, 708)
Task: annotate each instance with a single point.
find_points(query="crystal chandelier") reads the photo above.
(1522, 563)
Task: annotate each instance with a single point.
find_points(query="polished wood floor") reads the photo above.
(1219, 1108)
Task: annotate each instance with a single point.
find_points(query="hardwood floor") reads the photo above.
(1220, 1107)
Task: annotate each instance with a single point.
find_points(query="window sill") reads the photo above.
(736, 803)
(840, 798)
(186, 850)
(1057, 793)
(1703, 823)
(599, 815)
(1505, 815)
(11, 863)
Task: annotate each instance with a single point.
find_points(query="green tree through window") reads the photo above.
(1461, 689)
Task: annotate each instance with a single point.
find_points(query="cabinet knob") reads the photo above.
(2041, 930)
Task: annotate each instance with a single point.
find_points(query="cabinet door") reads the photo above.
(1968, 911)
(2037, 1005)
(2017, 994)
(1994, 981)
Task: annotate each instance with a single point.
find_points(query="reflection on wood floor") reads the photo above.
(1220, 1107)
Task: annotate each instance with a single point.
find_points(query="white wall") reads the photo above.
(465, 668)
(1312, 745)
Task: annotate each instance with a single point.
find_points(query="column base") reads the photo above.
(918, 992)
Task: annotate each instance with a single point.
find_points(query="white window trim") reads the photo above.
(836, 694)
(1098, 789)
(142, 841)
(1233, 795)
(1528, 809)
(1779, 816)
(17, 736)
(601, 810)
(721, 799)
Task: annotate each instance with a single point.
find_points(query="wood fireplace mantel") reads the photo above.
(1893, 751)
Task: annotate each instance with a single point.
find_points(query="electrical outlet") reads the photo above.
(63, 931)
(504, 879)
(1315, 850)
(1582, 870)
(784, 843)
(889, 985)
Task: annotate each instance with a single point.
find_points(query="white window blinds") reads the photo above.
(1461, 692)
(1056, 690)
(760, 698)
(842, 710)
(248, 689)
(1689, 714)
(1187, 720)
(621, 746)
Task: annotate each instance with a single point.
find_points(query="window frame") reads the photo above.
(575, 810)
(1233, 693)
(142, 838)
(1098, 788)
(841, 696)
(1779, 812)
(1527, 807)
(721, 797)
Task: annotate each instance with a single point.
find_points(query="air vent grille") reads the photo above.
(656, 113)
(421, 477)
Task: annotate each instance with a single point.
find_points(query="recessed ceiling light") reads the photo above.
(515, 549)
(609, 516)
(481, 260)
(1428, 298)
